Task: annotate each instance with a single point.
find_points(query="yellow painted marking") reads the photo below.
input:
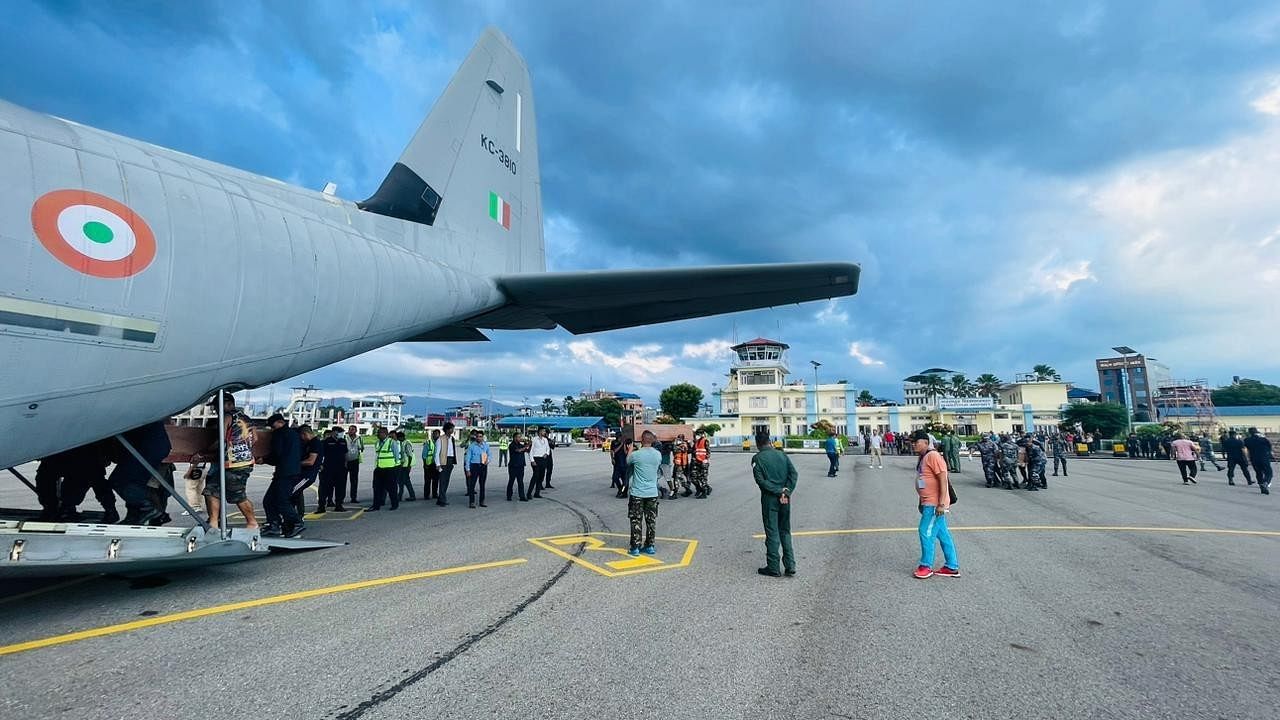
(1048, 528)
(616, 568)
(244, 605)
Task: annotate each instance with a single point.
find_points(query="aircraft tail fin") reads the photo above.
(472, 166)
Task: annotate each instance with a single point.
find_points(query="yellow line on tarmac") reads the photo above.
(1049, 528)
(233, 607)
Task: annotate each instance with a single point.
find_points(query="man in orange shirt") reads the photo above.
(932, 485)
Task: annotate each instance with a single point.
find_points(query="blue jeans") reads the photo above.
(834, 459)
(934, 527)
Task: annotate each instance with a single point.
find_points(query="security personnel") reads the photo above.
(1009, 463)
(680, 471)
(1036, 462)
(776, 476)
(333, 470)
(429, 476)
(129, 478)
(1059, 447)
(1259, 448)
(406, 465)
(700, 466)
(1233, 448)
(988, 450)
(355, 449)
(504, 445)
(951, 452)
(385, 471)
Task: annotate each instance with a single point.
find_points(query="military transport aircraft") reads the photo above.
(141, 280)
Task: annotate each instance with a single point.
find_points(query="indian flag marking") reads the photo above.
(500, 210)
(93, 234)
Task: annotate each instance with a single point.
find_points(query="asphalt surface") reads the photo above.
(1043, 623)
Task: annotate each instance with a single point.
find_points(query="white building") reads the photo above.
(376, 411)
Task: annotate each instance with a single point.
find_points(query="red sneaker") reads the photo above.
(945, 571)
(923, 572)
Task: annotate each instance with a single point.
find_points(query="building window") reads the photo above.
(799, 403)
(786, 403)
(758, 402)
(837, 401)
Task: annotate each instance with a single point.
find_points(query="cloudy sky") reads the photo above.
(1021, 182)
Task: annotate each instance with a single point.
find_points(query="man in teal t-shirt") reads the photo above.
(642, 508)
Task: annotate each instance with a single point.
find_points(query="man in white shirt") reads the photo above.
(877, 460)
(540, 454)
(446, 458)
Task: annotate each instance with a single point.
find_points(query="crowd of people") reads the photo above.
(684, 468)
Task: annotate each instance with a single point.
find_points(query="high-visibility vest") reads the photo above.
(386, 456)
(406, 454)
(504, 442)
(682, 454)
(700, 452)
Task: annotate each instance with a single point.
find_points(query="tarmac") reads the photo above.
(1118, 593)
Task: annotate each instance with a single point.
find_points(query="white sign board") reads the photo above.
(950, 403)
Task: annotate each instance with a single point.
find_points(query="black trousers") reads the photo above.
(1188, 469)
(1262, 470)
(445, 472)
(385, 482)
(1244, 468)
(551, 465)
(332, 484)
(278, 501)
(515, 477)
(479, 473)
(833, 461)
(405, 484)
(430, 481)
(353, 475)
(539, 475)
(1059, 459)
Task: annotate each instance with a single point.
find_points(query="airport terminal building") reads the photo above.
(760, 396)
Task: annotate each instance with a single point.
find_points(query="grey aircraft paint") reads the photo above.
(139, 280)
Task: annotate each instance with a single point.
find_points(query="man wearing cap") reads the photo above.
(1233, 449)
(776, 476)
(934, 490)
(236, 465)
(286, 456)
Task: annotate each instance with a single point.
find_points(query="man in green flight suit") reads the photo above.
(776, 477)
(951, 451)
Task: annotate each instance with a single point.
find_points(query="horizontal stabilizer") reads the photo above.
(585, 302)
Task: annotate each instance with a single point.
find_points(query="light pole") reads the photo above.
(716, 394)
(1125, 389)
(491, 406)
(815, 365)
(524, 414)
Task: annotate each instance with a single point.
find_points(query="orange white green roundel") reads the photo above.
(93, 234)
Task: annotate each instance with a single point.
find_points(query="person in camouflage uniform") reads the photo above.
(1036, 461)
(988, 450)
(1058, 446)
(700, 465)
(1008, 463)
(680, 466)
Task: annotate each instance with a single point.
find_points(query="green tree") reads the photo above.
(960, 385)
(1104, 419)
(680, 400)
(609, 409)
(1046, 372)
(710, 429)
(935, 386)
(1247, 392)
(866, 398)
(987, 385)
(821, 428)
(548, 406)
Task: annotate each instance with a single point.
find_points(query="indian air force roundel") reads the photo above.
(93, 234)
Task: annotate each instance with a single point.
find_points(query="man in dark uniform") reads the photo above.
(286, 455)
(951, 452)
(1009, 463)
(1036, 462)
(1059, 446)
(1131, 444)
(988, 450)
(312, 457)
(1259, 448)
(88, 470)
(333, 472)
(129, 479)
(1233, 448)
(776, 477)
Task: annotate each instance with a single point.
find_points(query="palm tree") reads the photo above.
(548, 406)
(1046, 372)
(934, 386)
(987, 385)
(960, 385)
(866, 398)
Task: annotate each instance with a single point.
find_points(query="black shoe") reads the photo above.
(374, 508)
(701, 495)
(1184, 482)
(686, 493)
(617, 495)
(339, 508)
(319, 510)
(354, 501)
(1193, 481)
(483, 505)
(509, 498)
(789, 572)
(1265, 489)
(1231, 482)
(770, 573)
(548, 487)
(110, 517)
(1065, 475)
(296, 530)
(1032, 487)
(270, 531)
(471, 505)
(1055, 474)
(537, 495)
(524, 499)
(410, 499)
